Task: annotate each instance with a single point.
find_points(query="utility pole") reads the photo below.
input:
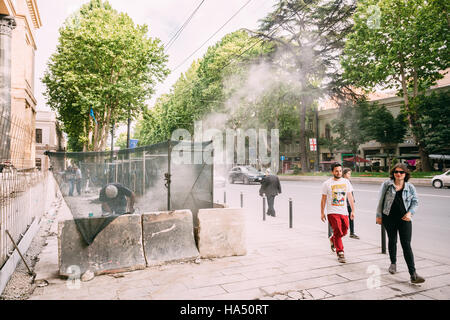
(129, 125)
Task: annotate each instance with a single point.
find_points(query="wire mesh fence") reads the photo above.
(22, 199)
(16, 142)
(144, 179)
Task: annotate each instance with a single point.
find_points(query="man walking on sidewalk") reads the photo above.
(270, 186)
(335, 192)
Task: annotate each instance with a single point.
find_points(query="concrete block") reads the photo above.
(221, 232)
(116, 248)
(168, 236)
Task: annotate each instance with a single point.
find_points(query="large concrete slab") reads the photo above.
(118, 247)
(221, 232)
(168, 236)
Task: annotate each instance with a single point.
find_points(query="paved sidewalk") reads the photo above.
(281, 263)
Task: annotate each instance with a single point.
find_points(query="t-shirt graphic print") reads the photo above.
(338, 192)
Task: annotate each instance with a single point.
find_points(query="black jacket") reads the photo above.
(270, 185)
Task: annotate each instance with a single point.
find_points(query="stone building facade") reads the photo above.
(19, 21)
(49, 137)
(372, 150)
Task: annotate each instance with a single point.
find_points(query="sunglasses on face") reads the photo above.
(400, 172)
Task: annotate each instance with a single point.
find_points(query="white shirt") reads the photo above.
(336, 192)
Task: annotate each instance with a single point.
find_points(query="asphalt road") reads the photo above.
(431, 224)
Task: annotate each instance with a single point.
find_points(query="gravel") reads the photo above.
(20, 286)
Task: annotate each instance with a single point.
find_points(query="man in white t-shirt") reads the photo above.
(335, 192)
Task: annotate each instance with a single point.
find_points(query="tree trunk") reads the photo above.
(423, 154)
(303, 156)
(424, 159)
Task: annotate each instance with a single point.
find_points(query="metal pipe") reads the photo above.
(31, 273)
(224, 197)
(264, 208)
(169, 174)
(242, 200)
(290, 213)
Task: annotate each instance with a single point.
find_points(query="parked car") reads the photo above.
(442, 180)
(245, 174)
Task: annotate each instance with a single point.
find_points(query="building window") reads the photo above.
(39, 163)
(38, 135)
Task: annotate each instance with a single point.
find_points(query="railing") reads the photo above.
(23, 195)
(16, 142)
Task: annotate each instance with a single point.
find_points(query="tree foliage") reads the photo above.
(383, 127)
(434, 121)
(104, 62)
(399, 44)
(310, 35)
(351, 126)
(204, 88)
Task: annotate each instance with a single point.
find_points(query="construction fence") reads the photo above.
(23, 198)
(152, 173)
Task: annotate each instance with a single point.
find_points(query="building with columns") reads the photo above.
(19, 21)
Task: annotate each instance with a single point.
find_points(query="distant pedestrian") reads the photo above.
(271, 187)
(78, 178)
(347, 174)
(335, 192)
(397, 204)
(70, 176)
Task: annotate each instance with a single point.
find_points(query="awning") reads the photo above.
(378, 155)
(408, 156)
(439, 156)
(358, 159)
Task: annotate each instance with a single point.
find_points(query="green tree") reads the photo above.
(383, 127)
(104, 62)
(311, 35)
(121, 141)
(351, 127)
(399, 44)
(434, 121)
(203, 89)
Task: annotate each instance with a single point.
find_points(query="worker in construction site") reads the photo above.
(117, 199)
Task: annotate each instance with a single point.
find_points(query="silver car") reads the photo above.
(442, 180)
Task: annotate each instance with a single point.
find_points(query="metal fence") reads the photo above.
(158, 181)
(16, 142)
(22, 199)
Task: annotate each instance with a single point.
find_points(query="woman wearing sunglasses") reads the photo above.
(396, 205)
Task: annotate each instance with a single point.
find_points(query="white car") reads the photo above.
(442, 180)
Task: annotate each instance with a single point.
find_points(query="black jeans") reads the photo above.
(395, 225)
(270, 203)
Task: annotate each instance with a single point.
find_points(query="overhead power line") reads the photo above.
(178, 33)
(234, 15)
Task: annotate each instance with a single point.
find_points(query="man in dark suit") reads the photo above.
(270, 186)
